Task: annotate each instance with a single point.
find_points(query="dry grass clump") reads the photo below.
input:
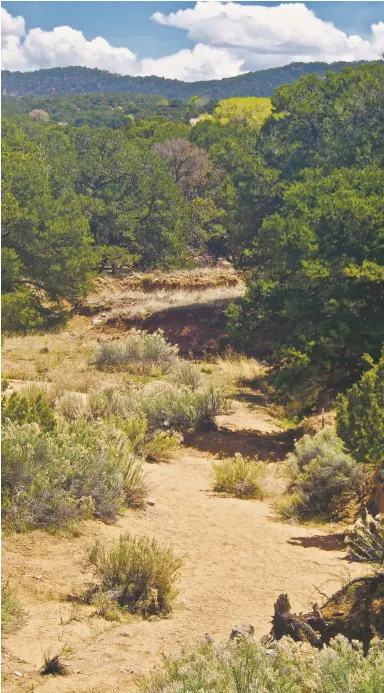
(12, 614)
(33, 391)
(239, 476)
(71, 379)
(54, 665)
(187, 279)
(79, 470)
(138, 304)
(245, 666)
(313, 424)
(139, 352)
(322, 478)
(137, 573)
(239, 369)
(18, 371)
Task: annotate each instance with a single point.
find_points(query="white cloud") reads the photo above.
(203, 62)
(230, 38)
(268, 36)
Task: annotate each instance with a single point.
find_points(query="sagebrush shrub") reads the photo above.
(185, 373)
(140, 572)
(179, 407)
(365, 541)
(245, 666)
(74, 405)
(21, 410)
(81, 469)
(360, 416)
(239, 476)
(139, 352)
(322, 477)
(160, 404)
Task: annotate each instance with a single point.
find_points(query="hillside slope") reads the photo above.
(82, 80)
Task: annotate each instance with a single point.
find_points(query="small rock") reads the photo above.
(17, 673)
(97, 321)
(103, 315)
(44, 350)
(38, 577)
(151, 501)
(243, 631)
(113, 595)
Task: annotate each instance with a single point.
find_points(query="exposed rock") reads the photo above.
(242, 631)
(151, 501)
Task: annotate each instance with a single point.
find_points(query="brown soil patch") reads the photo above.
(197, 332)
(237, 558)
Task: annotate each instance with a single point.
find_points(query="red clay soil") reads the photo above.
(197, 332)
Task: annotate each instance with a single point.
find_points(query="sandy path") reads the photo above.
(237, 559)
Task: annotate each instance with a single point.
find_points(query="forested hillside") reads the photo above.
(111, 110)
(294, 198)
(82, 80)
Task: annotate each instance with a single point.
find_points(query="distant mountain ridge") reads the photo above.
(60, 81)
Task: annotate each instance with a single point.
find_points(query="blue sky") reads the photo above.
(185, 39)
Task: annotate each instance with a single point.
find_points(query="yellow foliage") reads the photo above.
(249, 110)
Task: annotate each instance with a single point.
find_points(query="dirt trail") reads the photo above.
(237, 559)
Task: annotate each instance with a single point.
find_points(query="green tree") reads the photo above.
(316, 286)
(47, 248)
(131, 199)
(335, 122)
(250, 111)
(360, 416)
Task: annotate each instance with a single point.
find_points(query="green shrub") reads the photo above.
(140, 572)
(20, 312)
(12, 614)
(239, 476)
(244, 666)
(186, 374)
(18, 408)
(140, 352)
(79, 470)
(162, 445)
(323, 477)
(365, 541)
(360, 416)
(134, 429)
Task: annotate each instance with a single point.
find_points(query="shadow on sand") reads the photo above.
(271, 447)
(326, 542)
